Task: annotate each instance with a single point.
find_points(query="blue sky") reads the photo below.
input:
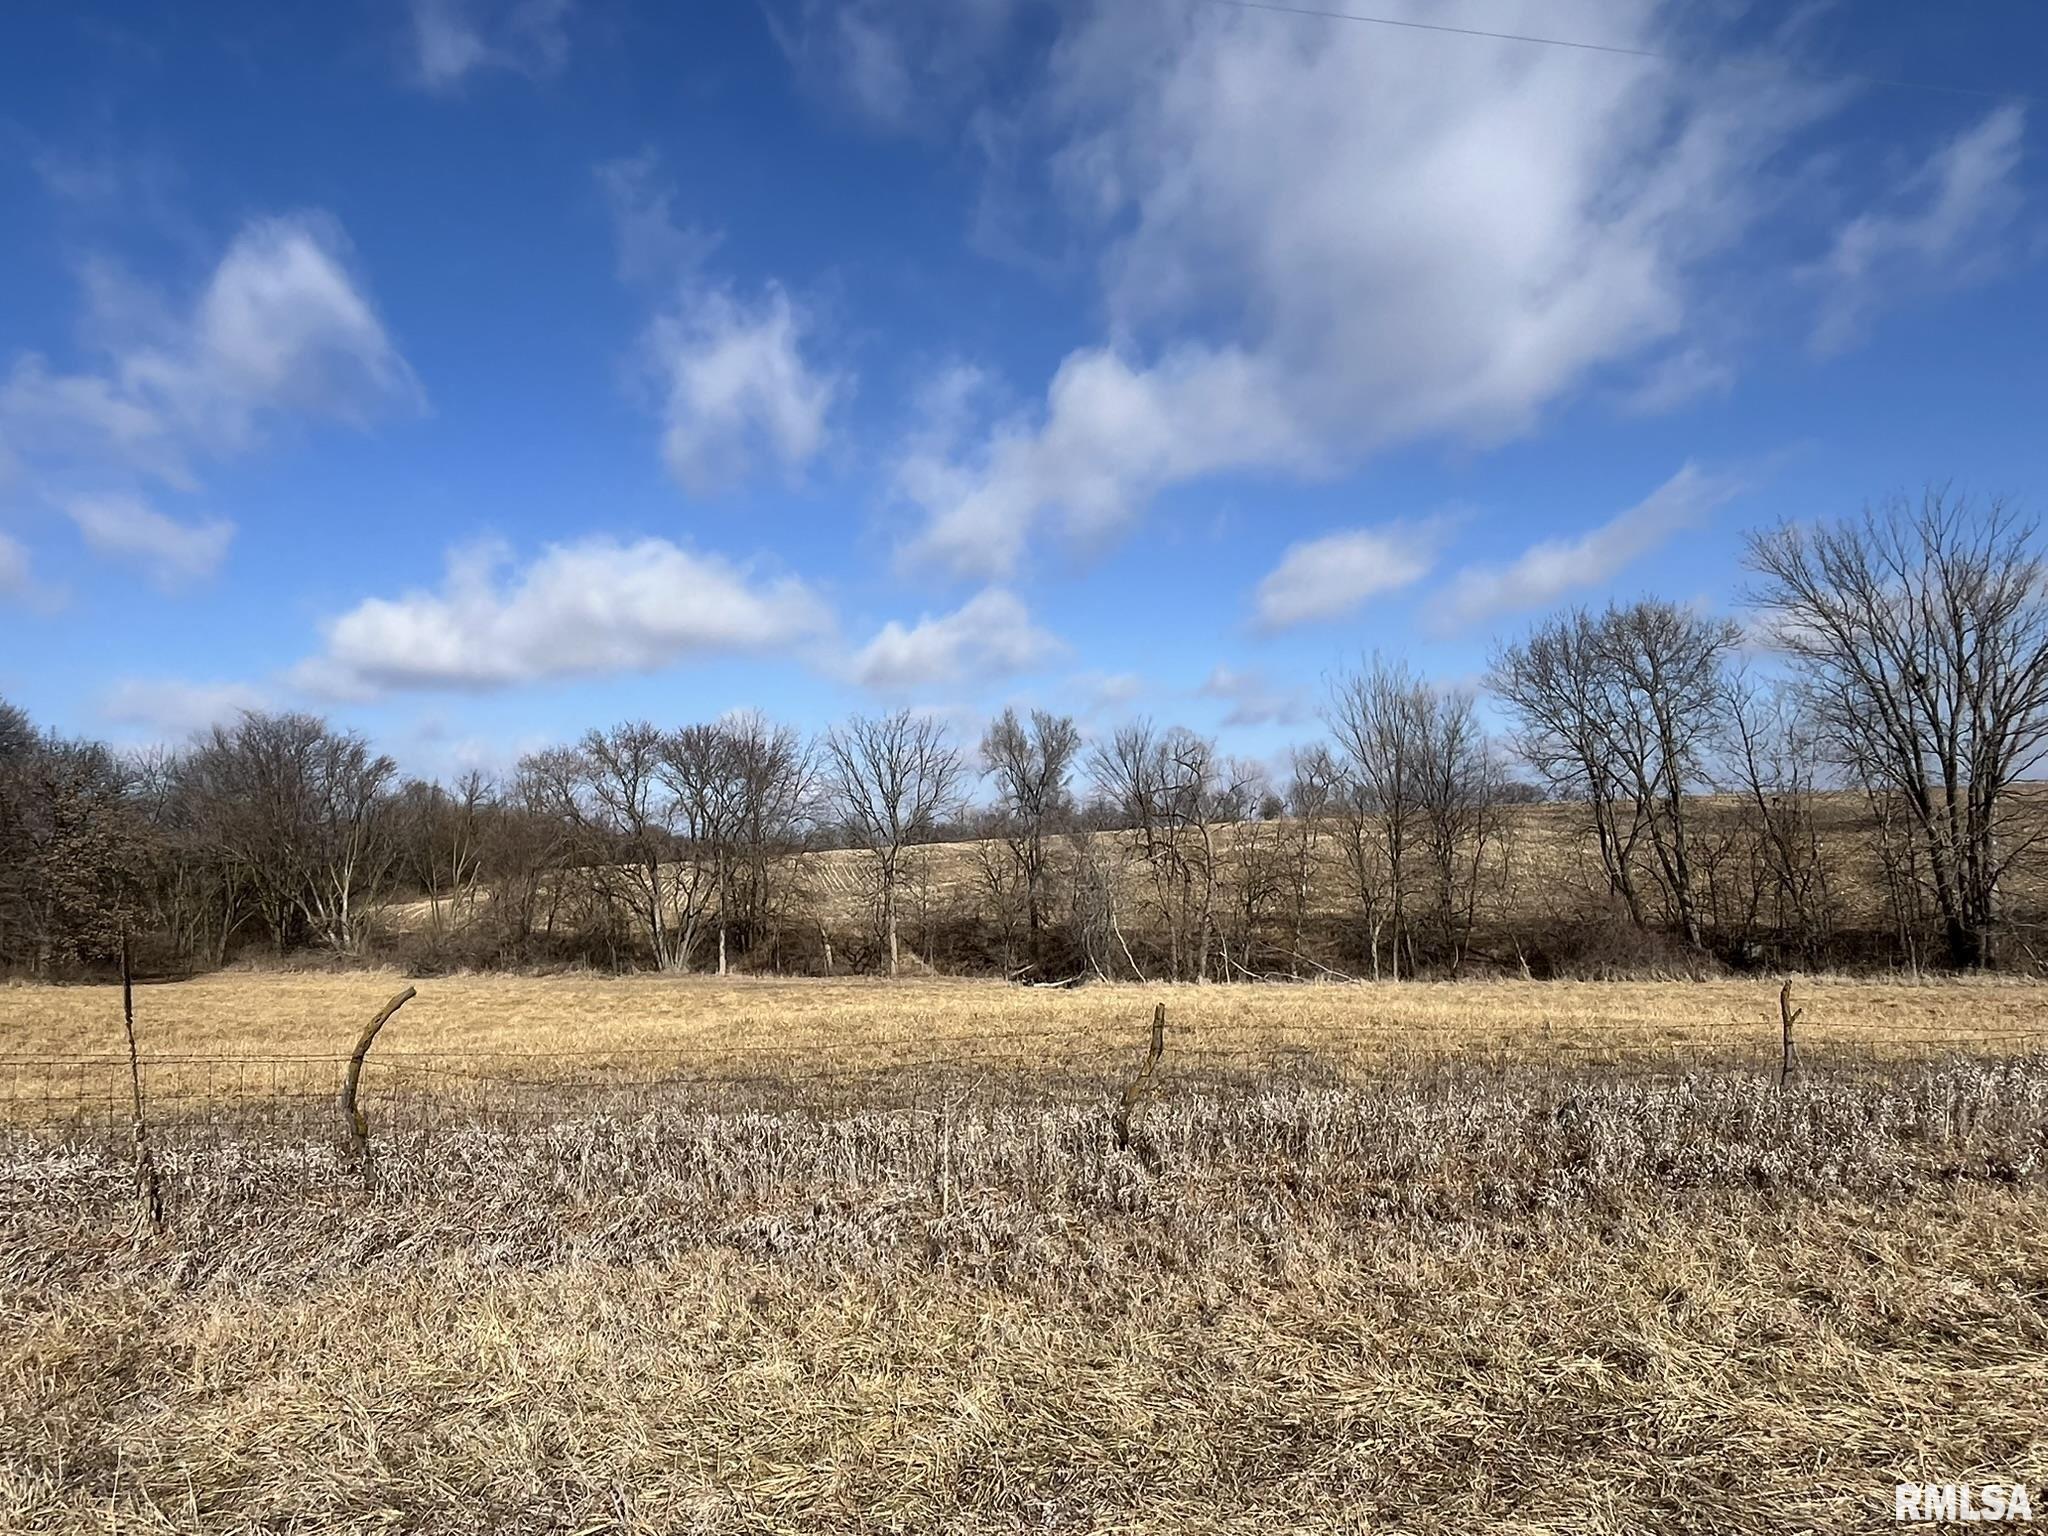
(479, 372)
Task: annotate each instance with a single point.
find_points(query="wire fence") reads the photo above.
(270, 1096)
(723, 1128)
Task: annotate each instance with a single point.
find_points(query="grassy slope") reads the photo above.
(1544, 871)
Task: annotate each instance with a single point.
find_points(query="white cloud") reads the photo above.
(736, 387)
(1943, 225)
(1252, 699)
(1328, 239)
(450, 39)
(1329, 577)
(171, 709)
(582, 609)
(128, 528)
(281, 326)
(1545, 572)
(990, 634)
(894, 63)
(1113, 435)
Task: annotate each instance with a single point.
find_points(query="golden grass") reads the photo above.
(1740, 1369)
(258, 1013)
(1470, 1280)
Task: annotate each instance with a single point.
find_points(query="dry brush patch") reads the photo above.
(1544, 1301)
(1634, 1377)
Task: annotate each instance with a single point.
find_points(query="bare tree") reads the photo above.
(1669, 665)
(1559, 687)
(893, 780)
(1775, 756)
(1173, 791)
(700, 765)
(611, 791)
(1619, 711)
(1254, 858)
(301, 811)
(1030, 766)
(1312, 794)
(1457, 796)
(776, 780)
(441, 831)
(1920, 635)
(1376, 716)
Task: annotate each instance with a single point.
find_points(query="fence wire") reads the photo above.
(295, 1096)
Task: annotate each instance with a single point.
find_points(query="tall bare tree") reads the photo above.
(1173, 791)
(777, 809)
(701, 767)
(1920, 634)
(301, 811)
(611, 790)
(1619, 710)
(1563, 695)
(1030, 765)
(1669, 664)
(1312, 796)
(1376, 716)
(1775, 759)
(894, 778)
(1457, 791)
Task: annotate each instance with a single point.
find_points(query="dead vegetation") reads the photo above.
(1439, 1269)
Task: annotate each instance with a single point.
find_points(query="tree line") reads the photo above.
(1844, 782)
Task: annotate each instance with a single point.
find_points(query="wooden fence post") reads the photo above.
(148, 1188)
(1789, 1062)
(1142, 1081)
(355, 1129)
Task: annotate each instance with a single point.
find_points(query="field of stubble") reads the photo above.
(853, 1256)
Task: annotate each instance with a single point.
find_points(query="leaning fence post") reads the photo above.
(355, 1129)
(1789, 1063)
(147, 1186)
(1142, 1081)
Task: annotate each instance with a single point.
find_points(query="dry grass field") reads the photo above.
(1503, 1256)
(572, 1020)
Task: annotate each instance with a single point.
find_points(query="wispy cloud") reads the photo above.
(893, 63)
(282, 330)
(1253, 700)
(171, 553)
(282, 327)
(1548, 571)
(171, 709)
(1330, 577)
(449, 40)
(738, 391)
(1943, 225)
(17, 573)
(737, 385)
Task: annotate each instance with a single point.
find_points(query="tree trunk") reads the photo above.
(889, 915)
